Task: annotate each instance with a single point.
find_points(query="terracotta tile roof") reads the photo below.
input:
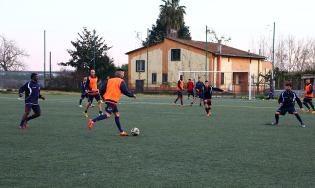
(212, 47)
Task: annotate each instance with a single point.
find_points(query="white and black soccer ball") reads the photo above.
(135, 131)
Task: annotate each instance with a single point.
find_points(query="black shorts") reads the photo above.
(208, 102)
(190, 92)
(84, 95)
(97, 97)
(36, 108)
(110, 108)
(284, 110)
(307, 99)
(179, 93)
(198, 94)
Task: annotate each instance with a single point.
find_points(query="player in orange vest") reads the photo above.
(110, 92)
(180, 88)
(91, 89)
(308, 96)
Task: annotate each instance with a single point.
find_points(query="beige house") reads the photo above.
(172, 55)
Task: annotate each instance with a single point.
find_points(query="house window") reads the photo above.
(153, 78)
(140, 65)
(222, 78)
(175, 54)
(239, 79)
(234, 78)
(164, 78)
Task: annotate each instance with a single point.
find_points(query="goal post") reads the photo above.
(229, 79)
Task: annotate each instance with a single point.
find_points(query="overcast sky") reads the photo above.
(117, 20)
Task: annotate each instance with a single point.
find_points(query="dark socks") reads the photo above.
(299, 118)
(207, 110)
(28, 118)
(277, 118)
(175, 101)
(22, 123)
(181, 102)
(101, 117)
(306, 105)
(85, 111)
(118, 124)
(80, 101)
(100, 112)
(312, 106)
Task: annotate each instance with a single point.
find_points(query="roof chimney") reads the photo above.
(248, 52)
(219, 46)
(259, 52)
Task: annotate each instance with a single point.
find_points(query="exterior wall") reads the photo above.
(154, 64)
(192, 59)
(226, 65)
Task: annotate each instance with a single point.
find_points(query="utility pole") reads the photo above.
(49, 64)
(44, 58)
(148, 60)
(94, 48)
(206, 50)
(273, 55)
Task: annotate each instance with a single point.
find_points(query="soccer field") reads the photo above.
(177, 146)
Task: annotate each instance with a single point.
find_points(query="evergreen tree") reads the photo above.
(83, 53)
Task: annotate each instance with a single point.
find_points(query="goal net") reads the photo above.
(236, 84)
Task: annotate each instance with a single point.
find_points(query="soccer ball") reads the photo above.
(135, 131)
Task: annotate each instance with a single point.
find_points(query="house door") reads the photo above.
(139, 85)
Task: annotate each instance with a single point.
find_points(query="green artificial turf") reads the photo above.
(177, 146)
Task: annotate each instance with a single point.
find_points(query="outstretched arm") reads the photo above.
(311, 90)
(22, 89)
(103, 88)
(217, 89)
(40, 95)
(87, 84)
(125, 90)
(280, 100)
(298, 101)
(178, 84)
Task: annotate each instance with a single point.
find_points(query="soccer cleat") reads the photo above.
(208, 114)
(100, 114)
(25, 124)
(21, 127)
(191, 104)
(85, 114)
(102, 101)
(80, 106)
(91, 123)
(174, 104)
(308, 110)
(123, 134)
(274, 123)
(313, 112)
(303, 125)
(182, 105)
(92, 105)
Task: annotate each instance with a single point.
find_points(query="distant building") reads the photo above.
(172, 55)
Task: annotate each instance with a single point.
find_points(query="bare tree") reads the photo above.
(280, 53)
(11, 55)
(214, 37)
(290, 54)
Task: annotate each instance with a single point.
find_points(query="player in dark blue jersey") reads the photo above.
(32, 93)
(207, 96)
(84, 93)
(199, 90)
(287, 101)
